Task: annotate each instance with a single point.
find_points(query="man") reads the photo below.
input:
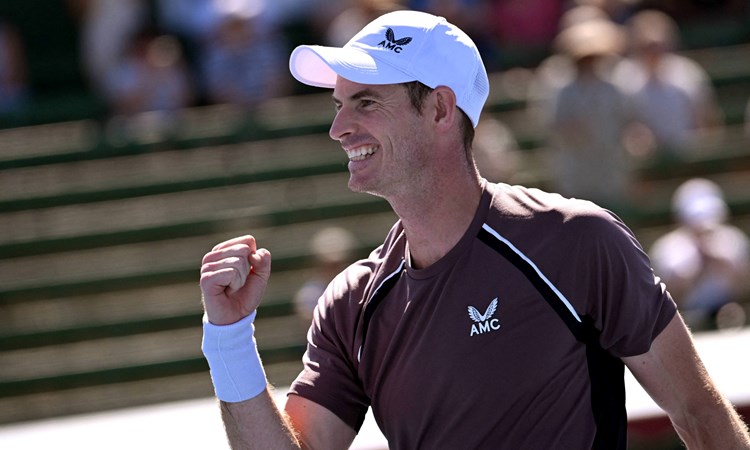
(704, 259)
(491, 317)
(587, 118)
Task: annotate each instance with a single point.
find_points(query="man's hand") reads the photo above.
(234, 276)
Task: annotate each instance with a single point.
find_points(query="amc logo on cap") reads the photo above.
(391, 43)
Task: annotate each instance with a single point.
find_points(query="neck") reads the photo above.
(435, 219)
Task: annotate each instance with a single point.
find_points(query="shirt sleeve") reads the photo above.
(329, 377)
(617, 286)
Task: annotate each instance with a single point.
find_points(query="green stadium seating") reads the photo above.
(101, 235)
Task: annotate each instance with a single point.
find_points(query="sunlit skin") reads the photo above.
(414, 160)
(384, 137)
(418, 163)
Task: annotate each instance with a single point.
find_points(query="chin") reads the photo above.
(364, 188)
(359, 187)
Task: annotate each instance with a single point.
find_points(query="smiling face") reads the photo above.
(384, 136)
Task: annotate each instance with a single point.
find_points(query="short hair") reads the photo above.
(418, 92)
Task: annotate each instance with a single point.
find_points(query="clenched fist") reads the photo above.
(234, 276)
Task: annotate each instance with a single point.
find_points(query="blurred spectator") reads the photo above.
(747, 118)
(151, 76)
(14, 83)
(145, 92)
(558, 69)
(107, 28)
(704, 261)
(587, 118)
(470, 15)
(522, 30)
(527, 23)
(476, 18)
(352, 19)
(192, 21)
(245, 61)
(672, 96)
(303, 15)
(619, 11)
(333, 248)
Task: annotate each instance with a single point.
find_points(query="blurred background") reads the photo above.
(137, 134)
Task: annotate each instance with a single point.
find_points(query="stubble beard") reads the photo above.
(396, 177)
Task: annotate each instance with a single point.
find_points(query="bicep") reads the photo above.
(671, 371)
(316, 426)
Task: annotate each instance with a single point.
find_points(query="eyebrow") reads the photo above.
(366, 92)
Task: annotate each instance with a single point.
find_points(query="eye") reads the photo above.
(365, 102)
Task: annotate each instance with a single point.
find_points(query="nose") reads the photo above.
(342, 125)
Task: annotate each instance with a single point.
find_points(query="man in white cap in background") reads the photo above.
(704, 260)
(491, 317)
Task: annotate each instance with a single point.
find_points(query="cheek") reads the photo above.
(418, 139)
(408, 140)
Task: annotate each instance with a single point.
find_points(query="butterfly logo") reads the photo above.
(484, 322)
(479, 318)
(392, 38)
(391, 43)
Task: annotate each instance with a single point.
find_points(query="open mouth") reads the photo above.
(360, 153)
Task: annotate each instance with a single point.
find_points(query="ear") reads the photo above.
(444, 107)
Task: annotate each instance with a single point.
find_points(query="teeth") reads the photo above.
(358, 154)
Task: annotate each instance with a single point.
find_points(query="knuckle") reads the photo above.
(207, 258)
(206, 280)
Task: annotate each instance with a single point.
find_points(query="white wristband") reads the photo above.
(232, 355)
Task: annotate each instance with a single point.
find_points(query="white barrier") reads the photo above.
(196, 424)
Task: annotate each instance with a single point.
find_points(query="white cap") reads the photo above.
(700, 203)
(400, 47)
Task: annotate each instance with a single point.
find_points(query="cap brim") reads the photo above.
(318, 66)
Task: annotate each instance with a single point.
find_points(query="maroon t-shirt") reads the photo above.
(479, 350)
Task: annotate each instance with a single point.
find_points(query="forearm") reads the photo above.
(712, 428)
(675, 377)
(234, 275)
(257, 424)
(251, 417)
